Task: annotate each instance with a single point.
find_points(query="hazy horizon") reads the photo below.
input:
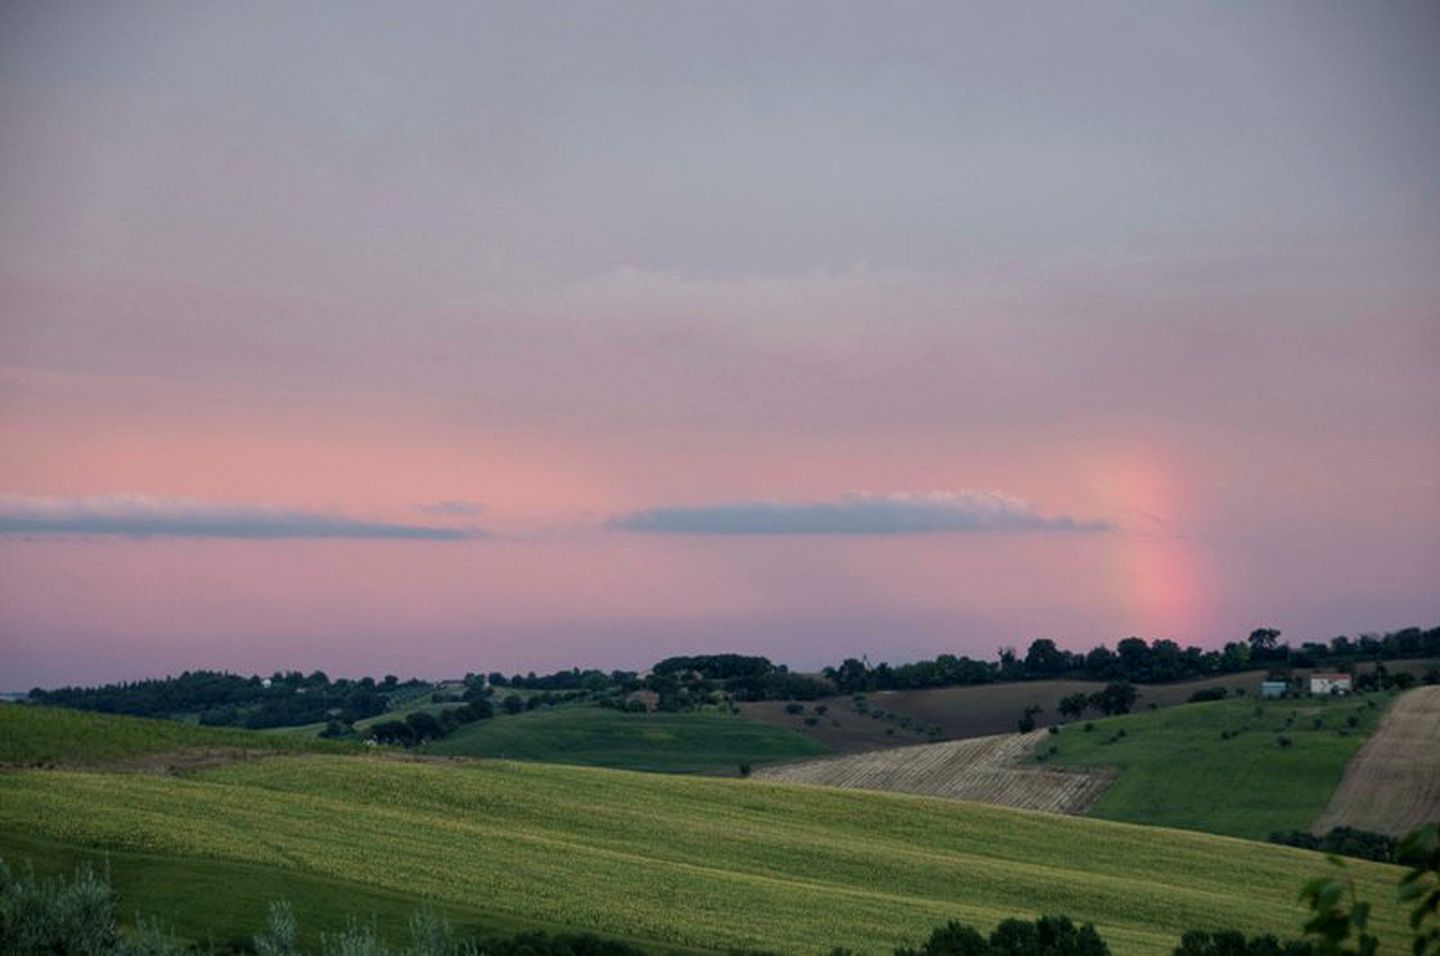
(434, 339)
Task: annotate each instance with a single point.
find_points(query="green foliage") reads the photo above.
(1420, 887)
(1229, 942)
(1047, 936)
(1346, 841)
(1339, 923)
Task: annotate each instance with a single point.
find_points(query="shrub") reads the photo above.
(794, 708)
(1047, 936)
(1208, 694)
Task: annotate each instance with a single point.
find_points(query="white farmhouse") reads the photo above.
(1330, 683)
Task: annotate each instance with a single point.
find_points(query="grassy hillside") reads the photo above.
(600, 737)
(31, 735)
(684, 861)
(1177, 770)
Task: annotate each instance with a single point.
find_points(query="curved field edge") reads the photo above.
(1222, 767)
(688, 862)
(31, 735)
(1393, 784)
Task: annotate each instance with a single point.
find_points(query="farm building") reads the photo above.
(1330, 683)
(1274, 688)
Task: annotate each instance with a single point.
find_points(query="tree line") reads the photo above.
(223, 699)
(1134, 659)
(693, 681)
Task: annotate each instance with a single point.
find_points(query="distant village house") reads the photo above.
(1330, 683)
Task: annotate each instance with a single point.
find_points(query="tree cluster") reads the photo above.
(231, 700)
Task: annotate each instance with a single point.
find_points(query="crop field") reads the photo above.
(985, 769)
(1393, 784)
(1239, 767)
(688, 862)
(601, 737)
(31, 736)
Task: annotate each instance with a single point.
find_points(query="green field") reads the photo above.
(1178, 771)
(601, 737)
(34, 736)
(689, 862)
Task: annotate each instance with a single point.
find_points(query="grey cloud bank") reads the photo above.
(858, 514)
(453, 507)
(140, 516)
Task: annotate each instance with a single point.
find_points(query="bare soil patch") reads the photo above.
(983, 769)
(1393, 784)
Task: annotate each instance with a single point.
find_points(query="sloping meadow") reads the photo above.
(686, 862)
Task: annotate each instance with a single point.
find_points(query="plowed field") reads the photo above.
(1393, 784)
(984, 769)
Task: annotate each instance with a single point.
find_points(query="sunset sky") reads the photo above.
(432, 338)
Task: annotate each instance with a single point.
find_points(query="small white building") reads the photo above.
(1330, 683)
(1274, 688)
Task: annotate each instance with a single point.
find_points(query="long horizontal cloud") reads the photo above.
(857, 514)
(141, 516)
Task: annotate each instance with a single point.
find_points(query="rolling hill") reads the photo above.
(894, 718)
(1239, 767)
(705, 742)
(675, 862)
(38, 736)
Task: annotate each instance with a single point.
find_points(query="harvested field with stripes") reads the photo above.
(1393, 784)
(983, 769)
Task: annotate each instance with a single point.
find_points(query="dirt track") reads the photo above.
(984, 769)
(1393, 784)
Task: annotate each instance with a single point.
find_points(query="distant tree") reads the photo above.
(1044, 659)
(1074, 705)
(513, 704)
(396, 732)
(1117, 698)
(1263, 640)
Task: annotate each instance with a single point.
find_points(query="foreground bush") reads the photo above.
(1047, 936)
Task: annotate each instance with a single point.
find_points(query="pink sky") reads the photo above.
(1040, 358)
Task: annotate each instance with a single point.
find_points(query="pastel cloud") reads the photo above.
(858, 514)
(143, 516)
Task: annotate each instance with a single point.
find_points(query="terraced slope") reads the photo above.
(986, 769)
(682, 861)
(1393, 784)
